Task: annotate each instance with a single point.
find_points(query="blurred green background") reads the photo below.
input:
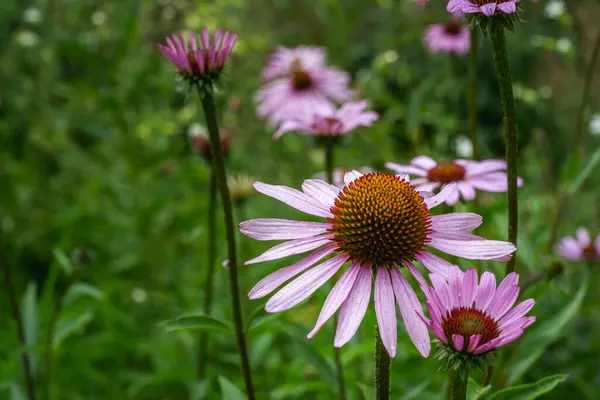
(103, 199)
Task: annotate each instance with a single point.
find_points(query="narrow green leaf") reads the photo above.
(543, 335)
(63, 260)
(366, 390)
(475, 391)
(229, 391)
(31, 322)
(68, 326)
(199, 322)
(529, 391)
(80, 289)
(259, 318)
(585, 172)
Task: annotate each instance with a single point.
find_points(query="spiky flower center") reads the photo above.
(380, 220)
(452, 29)
(466, 321)
(446, 172)
(301, 80)
(589, 252)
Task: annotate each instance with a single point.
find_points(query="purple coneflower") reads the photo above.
(300, 84)
(487, 175)
(448, 38)
(580, 247)
(485, 7)
(378, 223)
(476, 318)
(197, 57)
(331, 123)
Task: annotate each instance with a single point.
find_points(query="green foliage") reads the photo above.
(529, 391)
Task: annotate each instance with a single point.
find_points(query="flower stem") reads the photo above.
(472, 100)
(458, 380)
(337, 352)
(498, 40)
(16, 310)
(210, 271)
(587, 86)
(210, 114)
(382, 369)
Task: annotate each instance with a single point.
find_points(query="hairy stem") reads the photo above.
(210, 271)
(458, 380)
(507, 99)
(382, 369)
(16, 310)
(208, 106)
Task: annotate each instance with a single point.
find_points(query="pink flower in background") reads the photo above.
(331, 122)
(299, 85)
(580, 247)
(487, 175)
(485, 7)
(448, 38)
(199, 56)
(476, 318)
(378, 223)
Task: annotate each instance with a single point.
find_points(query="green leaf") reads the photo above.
(63, 260)
(199, 322)
(68, 326)
(543, 335)
(31, 323)
(310, 353)
(259, 318)
(229, 391)
(585, 173)
(475, 391)
(529, 391)
(80, 289)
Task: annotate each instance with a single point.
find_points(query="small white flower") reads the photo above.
(463, 146)
(139, 295)
(98, 18)
(32, 15)
(554, 9)
(197, 129)
(564, 45)
(595, 125)
(27, 39)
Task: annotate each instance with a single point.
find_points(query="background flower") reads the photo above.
(580, 247)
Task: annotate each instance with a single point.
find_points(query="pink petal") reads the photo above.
(412, 313)
(434, 263)
(274, 280)
(321, 191)
(301, 288)
(336, 297)
(456, 222)
(473, 342)
(472, 249)
(508, 7)
(350, 176)
(484, 167)
(416, 273)
(385, 310)
(282, 229)
(441, 196)
(423, 162)
(405, 169)
(469, 285)
(354, 308)
(443, 291)
(453, 198)
(289, 126)
(488, 9)
(519, 311)
(466, 190)
(296, 246)
(485, 291)
(570, 249)
(426, 187)
(459, 342)
(504, 299)
(294, 198)
(583, 237)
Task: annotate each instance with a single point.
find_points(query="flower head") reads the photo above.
(202, 143)
(240, 187)
(378, 223)
(299, 84)
(472, 318)
(487, 175)
(331, 123)
(448, 38)
(580, 247)
(198, 58)
(484, 7)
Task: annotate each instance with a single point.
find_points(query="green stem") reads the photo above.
(458, 380)
(382, 369)
(16, 310)
(585, 97)
(210, 114)
(507, 99)
(210, 271)
(337, 352)
(472, 100)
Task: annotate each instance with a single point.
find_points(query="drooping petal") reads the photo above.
(336, 297)
(412, 313)
(466, 190)
(350, 176)
(434, 263)
(296, 246)
(405, 169)
(321, 191)
(453, 198)
(274, 280)
(354, 308)
(456, 222)
(294, 198)
(282, 229)
(423, 162)
(441, 196)
(305, 285)
(484, 167)
(472, 249)
(385, 310)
